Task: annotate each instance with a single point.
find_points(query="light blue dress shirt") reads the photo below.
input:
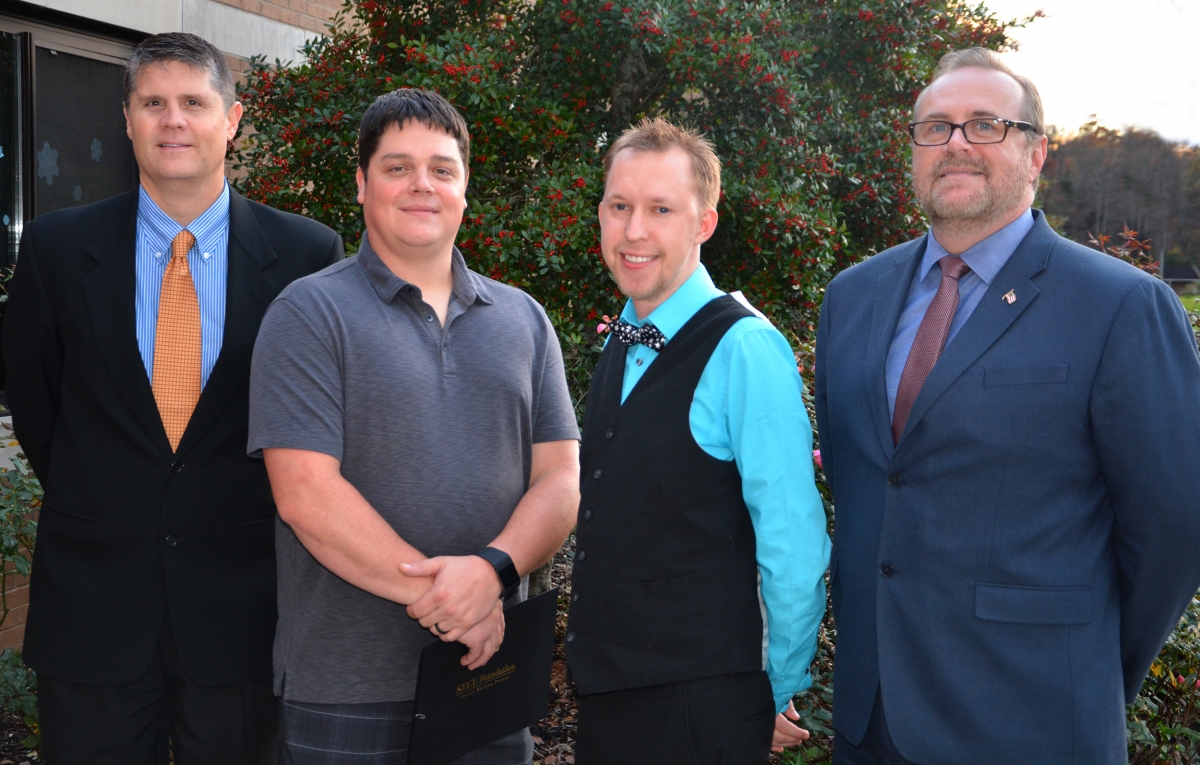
(208, 261)
(748, 408)
(985, 259)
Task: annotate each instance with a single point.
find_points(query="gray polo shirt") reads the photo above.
(433, 425)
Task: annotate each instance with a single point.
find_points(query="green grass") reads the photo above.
(1191, 302)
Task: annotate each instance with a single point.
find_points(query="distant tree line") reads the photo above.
(1098, 181)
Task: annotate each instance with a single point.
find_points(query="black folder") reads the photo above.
(460, 709)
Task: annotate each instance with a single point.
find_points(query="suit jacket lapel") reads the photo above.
(991, 318)
(887, 303)
(111, 295)
(248, 294)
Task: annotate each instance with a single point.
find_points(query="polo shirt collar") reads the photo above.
(984, 258)
(681, 306)
(207, 227)
(468, 287)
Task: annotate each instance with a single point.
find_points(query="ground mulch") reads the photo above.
(12, 733)
(554, 736)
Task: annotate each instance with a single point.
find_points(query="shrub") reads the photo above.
(805, 101)
(1164, 720)
(20, 498)
(18, 693)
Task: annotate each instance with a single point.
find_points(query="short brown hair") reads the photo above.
(982, 58)
(402, 105)
(187, 49)
(657, 135)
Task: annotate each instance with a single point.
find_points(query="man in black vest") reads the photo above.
(697, 491)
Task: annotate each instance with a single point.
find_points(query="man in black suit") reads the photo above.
(128, 338)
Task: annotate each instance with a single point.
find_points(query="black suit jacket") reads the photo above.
(131, 533)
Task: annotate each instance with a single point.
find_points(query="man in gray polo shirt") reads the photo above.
(421, 445)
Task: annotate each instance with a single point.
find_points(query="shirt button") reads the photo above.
(598, 473)
(582, 556)
(429, 317)
(895, 480)
(176, 467)
(638, 362)
(570, 637)
(886, 569)
(587, 514)
(609, 433)
(170, 541)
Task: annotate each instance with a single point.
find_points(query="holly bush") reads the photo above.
(1164, 720)
(804, 99)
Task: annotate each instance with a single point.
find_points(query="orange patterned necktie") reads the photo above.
(176, 379)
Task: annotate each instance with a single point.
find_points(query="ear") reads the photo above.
(232, 119)
(361, 179)
(708, 224)
(128, 127)
(1038, 158)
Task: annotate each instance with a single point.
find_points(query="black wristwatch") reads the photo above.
(510, 580)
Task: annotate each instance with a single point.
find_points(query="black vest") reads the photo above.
(665, 582)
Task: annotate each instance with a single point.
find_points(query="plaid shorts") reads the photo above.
(373, 734)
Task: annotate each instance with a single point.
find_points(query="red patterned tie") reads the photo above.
(931, 339)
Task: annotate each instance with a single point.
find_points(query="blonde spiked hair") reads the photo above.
(658, 135)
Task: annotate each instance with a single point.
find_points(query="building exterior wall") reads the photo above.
(240, 28)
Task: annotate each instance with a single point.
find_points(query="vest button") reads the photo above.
(582, 556)
(177, 467)
(609, 433)
(574, 597)
(638, 362)
(170, 541)
(570, 637)
(886, 569)
(597, 474)
(895, 480)
(587, 514)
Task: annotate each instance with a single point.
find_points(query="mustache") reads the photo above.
(960, 163)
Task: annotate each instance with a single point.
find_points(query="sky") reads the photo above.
(1130, 62)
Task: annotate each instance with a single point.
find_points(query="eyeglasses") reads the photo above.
(986, 130)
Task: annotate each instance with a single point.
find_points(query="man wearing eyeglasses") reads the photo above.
(1009, 423)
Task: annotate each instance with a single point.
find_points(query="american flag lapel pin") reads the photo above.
(1010, 297)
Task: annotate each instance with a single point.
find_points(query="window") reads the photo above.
(62, 129)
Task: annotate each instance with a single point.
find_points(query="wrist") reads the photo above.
(506, 571)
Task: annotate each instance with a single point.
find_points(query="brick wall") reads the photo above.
(12, 632)
(312, 15)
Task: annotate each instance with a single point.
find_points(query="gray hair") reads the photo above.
(186, 49)
(982, 58)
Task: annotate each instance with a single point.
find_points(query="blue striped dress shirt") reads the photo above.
(985, 259)
(209, 264)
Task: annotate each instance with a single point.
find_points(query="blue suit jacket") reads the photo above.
(1007, 573)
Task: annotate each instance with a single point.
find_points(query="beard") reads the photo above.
(1004, 189)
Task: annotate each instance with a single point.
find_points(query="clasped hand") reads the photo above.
(462, 605)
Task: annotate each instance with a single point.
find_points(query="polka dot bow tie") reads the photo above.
(647, 334)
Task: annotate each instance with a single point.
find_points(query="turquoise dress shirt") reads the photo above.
(748, 408)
